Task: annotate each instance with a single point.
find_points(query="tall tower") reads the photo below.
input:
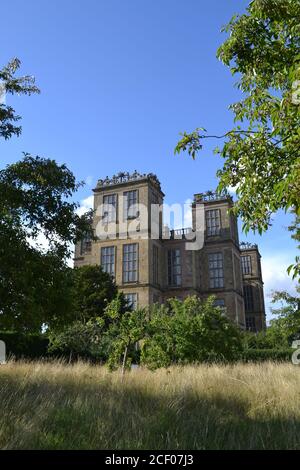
(219, 260)
(253, 287)
(122, 224)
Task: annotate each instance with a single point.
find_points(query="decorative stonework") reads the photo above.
(211, 196)
(126, 177)
(180, 232)
(248, 246)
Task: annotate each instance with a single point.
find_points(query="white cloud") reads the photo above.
(85, 205)
(275, 276)
(274, 272)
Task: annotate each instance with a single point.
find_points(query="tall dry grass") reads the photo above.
(80, 406)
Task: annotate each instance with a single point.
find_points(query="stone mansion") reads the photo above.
(153, 263)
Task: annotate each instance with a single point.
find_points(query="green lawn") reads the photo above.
(58, 406)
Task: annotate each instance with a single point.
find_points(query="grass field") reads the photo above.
(59, 406)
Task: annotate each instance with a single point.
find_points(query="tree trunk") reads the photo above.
(124, 361)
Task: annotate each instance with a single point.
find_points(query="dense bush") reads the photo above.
(178, 332)
(189, 331)
(260, 355)
(20, 345)
(91, 339)
(80, 340)
(261, 340)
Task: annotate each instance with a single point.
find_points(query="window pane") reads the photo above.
(250, 324)
(155, 264)
(130, 204)
(108, 259)
(219, 303)
(132, 300)
(130, 262)
(216, 271)
(85, 245)
(213, 222)
(110, 208)
(174, 267)
(248, 298)
(246, 264)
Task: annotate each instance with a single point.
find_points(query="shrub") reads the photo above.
(260, 355)
(127, 328)
(189, 331)
(84, 340)
(21, 345)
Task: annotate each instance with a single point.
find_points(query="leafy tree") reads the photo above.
(189, 331)
(262, 151)
(11, 84)
(35, 282)
(93, 290)
(84, 340)
(35, 287)
(95, 331)
(286, 327)
(260, 340)
(294, 229)
(34, 200)
(283, 329)
(127, 327)
(181, 332)
(272, 339)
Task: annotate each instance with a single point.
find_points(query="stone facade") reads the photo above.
(151, 263)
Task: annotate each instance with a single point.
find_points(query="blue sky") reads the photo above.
(120, 79)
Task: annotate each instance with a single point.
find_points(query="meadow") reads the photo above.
(53, 405)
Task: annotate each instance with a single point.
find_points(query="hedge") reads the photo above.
(260, 355)
(27, 346)
(34, 346)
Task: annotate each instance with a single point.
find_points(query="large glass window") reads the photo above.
(130, 204)
(248, 298)
(110, 208)
(130, 262)
(174, 267)
(216, 270)
(246, 264)
(250, 324)
(132, 300)
(108, 259)
(85, 245)
(155, 264)
(221, 304)
(213, 222)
